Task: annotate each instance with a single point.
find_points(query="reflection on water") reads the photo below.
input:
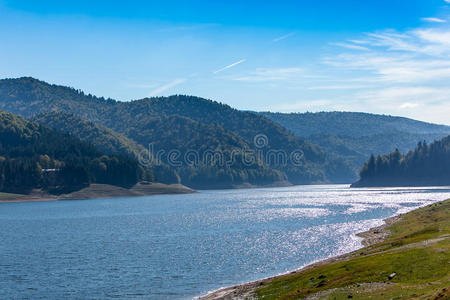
(180, 246)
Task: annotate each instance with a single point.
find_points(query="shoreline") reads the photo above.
(100, 191)
(246, 290)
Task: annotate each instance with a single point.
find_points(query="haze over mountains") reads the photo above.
(354, 136)
(328, 147)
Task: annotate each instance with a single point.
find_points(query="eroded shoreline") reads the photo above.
(98, 191)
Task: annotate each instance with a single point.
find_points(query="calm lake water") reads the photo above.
(182, 246)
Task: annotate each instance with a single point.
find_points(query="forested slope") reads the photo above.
(186, 123)
(353, 137)
(34, 156)
(425, 165)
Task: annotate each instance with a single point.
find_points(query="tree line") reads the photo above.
(427, 164)
(33, 156)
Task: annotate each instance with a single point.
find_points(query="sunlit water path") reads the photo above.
(181, 246)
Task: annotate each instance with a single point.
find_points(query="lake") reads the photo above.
(182, 246)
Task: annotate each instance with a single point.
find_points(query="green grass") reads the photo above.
(418, 251)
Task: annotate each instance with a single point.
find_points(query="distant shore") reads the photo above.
(373, 242)
(399, 183)
(96, 191)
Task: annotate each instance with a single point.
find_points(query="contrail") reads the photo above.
(167, 86)
(283, 37)
(230, 66)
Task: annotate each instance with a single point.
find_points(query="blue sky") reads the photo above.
(386, 56)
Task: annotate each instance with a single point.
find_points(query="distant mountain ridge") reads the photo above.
(182, 123)
(333, 145)
(353, 137)
(353, 124)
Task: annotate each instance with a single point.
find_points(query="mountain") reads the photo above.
(183, 124)
(34, 156)
(105, 140)
(353, 137)
(353, 124)
(426, 165)
(356, 150)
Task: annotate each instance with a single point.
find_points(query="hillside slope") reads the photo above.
(183, 122)
(105, 140)
(353, 124)
(102, 137)
(34, 156)
(353, 137)
(424, 166)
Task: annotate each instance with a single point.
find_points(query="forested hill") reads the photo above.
(103, 138)
(424, 166)
(34, 156)
(183, 122)
(352, 124)
(353, 137)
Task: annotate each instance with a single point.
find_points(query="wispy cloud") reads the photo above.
(434, 20)
(351, 46)
(404, 72)
(167, 86)
(408, 105)
(283, 37)
(141, 85)
(229, 66)
(269, 74)
(338, 87)
(417, 56)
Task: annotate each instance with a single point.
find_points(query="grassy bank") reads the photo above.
(408, 258)
(413, 262)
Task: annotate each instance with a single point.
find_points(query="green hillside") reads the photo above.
(186, 123)
(353, 137)
(356, 150)
(103, 138)
(425, 165)
(34, 156)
